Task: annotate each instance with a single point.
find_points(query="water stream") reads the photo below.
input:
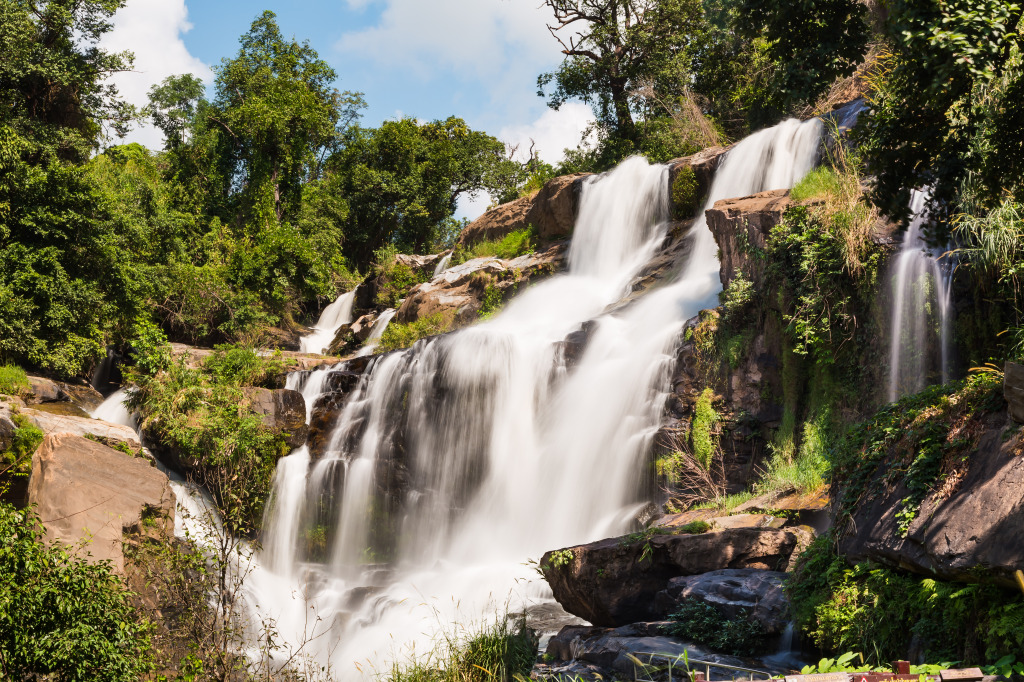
(919, 351)
(456, 461)
(331, 320)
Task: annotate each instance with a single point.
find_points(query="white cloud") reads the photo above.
(152, 29)
(551, 133)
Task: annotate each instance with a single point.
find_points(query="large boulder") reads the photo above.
(42, 390)
(282, 410)
(735, 593)
(552, 211)
(459, 291)
(741, 226)
(86, 493)
(49, 422)
(970, 531)
(614, 582)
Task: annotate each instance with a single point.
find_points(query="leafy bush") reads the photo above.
(701, 623)
(13, 380)
(879, 611)
(512, 245)
(702, 434)
(61, 616)
(686, 197)
(399, 335)
(243, 366)
(392, 277)
(17, 459)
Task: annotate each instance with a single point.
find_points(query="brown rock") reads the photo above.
(1013, 390)
(552, 211)
(85, 492)
(975, 531)
(752, 217)
(42, 391)
(85, 397)
(613, 582)
(49, 423)
(283, 410)
(194, 357)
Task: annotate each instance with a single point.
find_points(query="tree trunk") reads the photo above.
(623, 116)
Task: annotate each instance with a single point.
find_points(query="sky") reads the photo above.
(430, 59)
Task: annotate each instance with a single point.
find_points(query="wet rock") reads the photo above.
(1013, 390)
(86, 492)
(85, 397)
(613, 582)
(282, 410)
(973, 531)
(734, 593)
(552, 211)
(42, 391)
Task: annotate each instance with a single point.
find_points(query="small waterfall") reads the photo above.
(113, 410)
(331, 319)
(455, 461)
(442, 264)
(373, 340)
(919, 351)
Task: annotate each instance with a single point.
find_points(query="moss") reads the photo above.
(403, 335)
(686, 197)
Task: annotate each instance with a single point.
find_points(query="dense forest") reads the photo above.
(271, 197)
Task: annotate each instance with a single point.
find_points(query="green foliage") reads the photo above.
(61, 616)
(701, 623)
(17, 459)
(201, 417)
(402, 335)
(810, 42)
(505, 650)
(817, 184)
(491, 301)
(13, 380)
(918, 441)
(686, 197)
(242, 366)
(695, 528)
(393, 278)
(561, 558)
(514, 244)
(702, 429)
(879, 611)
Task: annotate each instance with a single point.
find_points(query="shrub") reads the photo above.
(244, 366)
(512, 245)
(393, 277)
(702, 434)
(685, 193)
(17, 459)
(62, 617)
(13, 380)
(701, 623)
(399, 335)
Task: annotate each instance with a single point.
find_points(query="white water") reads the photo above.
(455, 462)
(919, 346)
(442, 264)
(331, 319)
(113, 410)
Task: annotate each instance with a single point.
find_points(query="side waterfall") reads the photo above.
(331, 319)
(920, 328)
(454, 462)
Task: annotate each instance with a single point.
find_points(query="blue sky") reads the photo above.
(478, 59)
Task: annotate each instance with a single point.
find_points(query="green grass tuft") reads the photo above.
(399, 335)
(13, 380)
(512, 245)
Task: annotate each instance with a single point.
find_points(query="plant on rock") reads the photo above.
(701, 623)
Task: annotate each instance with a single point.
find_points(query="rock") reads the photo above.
(81, 426)
(552, 211)
(459, 290)
(283, 410)
(42, 391)
(85, 492)
(615, 649)
(194, 357)
(7, 429)
(613, 582)
(85, 397)
(704, 164)
(421, 264)
(975, 530)
(1013, 390)
(811, 509)
(735, 593)
(753, 217)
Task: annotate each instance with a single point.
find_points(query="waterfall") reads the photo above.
(454, 462)
(373, 340)
(442, 264)
(920, 332)
(331, 319)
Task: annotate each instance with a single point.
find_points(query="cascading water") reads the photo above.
(331, 319)
(454, 462)
(442, 264)
(373, 340)
(920, 331)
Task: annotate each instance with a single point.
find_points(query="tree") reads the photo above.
(612, 48)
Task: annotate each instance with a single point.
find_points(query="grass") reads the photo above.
(501, 652)
(805, 468)
(512, 245)
(727, 503)
(13, 380)
(403, 335)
